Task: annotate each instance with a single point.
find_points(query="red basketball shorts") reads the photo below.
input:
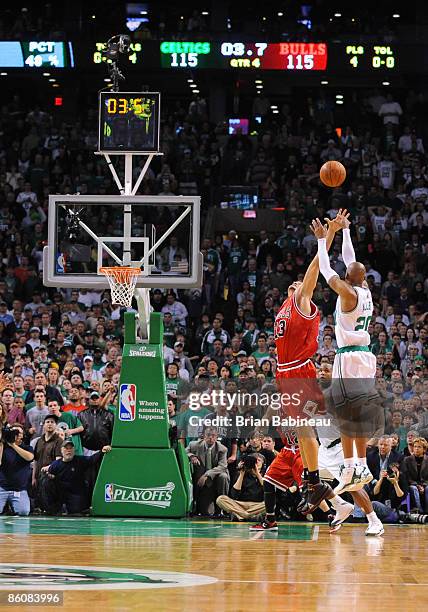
(285, 469)
(301, 395)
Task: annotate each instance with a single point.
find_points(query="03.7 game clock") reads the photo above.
(129, 122)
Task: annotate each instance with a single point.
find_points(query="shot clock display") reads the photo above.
(371, 57)
(129, 122)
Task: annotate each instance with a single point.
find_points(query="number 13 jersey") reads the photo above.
(351, 327)
(296, 336)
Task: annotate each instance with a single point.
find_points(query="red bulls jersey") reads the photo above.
(296, 336)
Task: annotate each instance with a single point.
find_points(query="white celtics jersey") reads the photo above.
(351, 327)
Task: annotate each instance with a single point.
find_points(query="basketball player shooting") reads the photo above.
(296, 338)
(354, 365)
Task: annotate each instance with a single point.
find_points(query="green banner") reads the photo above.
(140, 482)
(142, 476)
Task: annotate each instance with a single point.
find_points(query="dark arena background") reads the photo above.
(191, 418)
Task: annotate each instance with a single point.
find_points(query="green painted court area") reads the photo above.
(145, 528)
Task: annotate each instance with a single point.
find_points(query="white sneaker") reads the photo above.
(345, 479)
(354, 481)
(362, 476)
(342, 514)
(375, 529)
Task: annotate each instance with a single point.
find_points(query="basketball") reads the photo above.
(332, 174)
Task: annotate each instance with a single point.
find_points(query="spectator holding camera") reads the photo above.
(15, 470)
(247, 499)
(416, 469)
(389, 493)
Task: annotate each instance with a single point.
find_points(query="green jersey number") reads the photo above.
(362, 323)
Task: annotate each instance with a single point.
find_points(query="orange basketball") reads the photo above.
(332, 173)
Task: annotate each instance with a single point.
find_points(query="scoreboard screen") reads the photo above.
(129, 122)
(36, 54)
(371, 57)
(244, 55)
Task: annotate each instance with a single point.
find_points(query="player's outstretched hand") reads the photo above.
(318, 229)
(341, 221)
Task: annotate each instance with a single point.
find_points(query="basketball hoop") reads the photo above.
(122, 281)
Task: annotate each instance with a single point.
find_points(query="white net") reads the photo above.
(122, 281)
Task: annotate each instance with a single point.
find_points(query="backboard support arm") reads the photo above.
(142, 295)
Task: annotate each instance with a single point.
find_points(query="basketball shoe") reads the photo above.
(342, 512)
(316, 494)
(375, 529)
(304, 493)
(265, 525)
(353, 478)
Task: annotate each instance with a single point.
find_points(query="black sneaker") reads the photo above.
(304, 493)
(316, 494)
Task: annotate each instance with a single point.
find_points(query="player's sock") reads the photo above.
(337, 501)
(314, 477)
(270, 500)
(305, 474)
(361, 461)
(372, 517)
(349, 462)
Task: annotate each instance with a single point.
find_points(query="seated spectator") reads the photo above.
(246, 500)
(208, 459)
(381, 459)
(15, 472)
(415, 468)
(411, 436)
(389, 493)
(65, 483)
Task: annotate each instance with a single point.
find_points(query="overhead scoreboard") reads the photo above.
(248, 55)
(36, 54)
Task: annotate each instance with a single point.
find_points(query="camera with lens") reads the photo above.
(8, 433)
(249, 462)
(390, 472)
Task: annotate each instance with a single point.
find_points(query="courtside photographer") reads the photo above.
(15, 470)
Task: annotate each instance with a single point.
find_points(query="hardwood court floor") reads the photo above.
(302, 568)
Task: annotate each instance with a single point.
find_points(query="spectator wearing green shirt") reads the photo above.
(168, 329)
(398, 428)
(262, 351)
(70, 423)
(172, 380)
(236, 261)
(19, 388)
(98, 363)
(215, 333)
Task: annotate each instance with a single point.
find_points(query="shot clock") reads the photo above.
(129, 122)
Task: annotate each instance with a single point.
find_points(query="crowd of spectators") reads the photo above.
(62, 348)
(302, 22)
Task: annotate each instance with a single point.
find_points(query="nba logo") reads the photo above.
(128, 399)
(60, 263)
(108, 493)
